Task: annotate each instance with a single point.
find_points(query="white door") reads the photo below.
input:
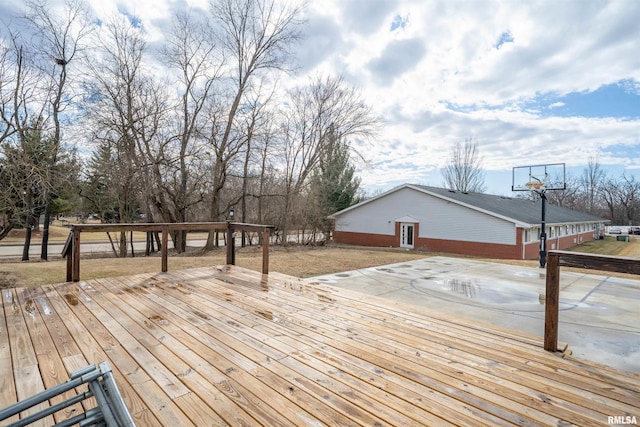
(406, 235)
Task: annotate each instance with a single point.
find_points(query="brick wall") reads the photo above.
(366, 239)
(490, 250)
(434, 245)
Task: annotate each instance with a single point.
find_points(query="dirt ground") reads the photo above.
(300, 261)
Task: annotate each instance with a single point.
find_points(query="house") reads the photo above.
(441, 220)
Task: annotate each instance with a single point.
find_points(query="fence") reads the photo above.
(555, 259)
(71, 249)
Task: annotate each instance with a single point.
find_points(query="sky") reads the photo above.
(530, 82)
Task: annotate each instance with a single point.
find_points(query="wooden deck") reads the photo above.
(220, 346)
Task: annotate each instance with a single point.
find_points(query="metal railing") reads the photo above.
(556, 259)
(111, 410)
(71, 248)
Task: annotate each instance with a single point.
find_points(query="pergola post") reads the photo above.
(231, 250)
(164, 250)
(75, 254)
(265, 250)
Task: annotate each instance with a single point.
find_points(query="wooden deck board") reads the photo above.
(228, 346)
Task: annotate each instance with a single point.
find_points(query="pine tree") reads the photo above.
(334, 186)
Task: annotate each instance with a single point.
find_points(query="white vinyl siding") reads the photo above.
(438, 219)
(375, 217)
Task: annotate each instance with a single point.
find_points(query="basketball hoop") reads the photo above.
(540, 179)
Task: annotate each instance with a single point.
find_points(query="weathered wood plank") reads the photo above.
(235, 359)
(51, 367)
(234, 347)
(598, 394)
(229, 358)
(453, 326)
(26, 373)
(83, 326)
(343, 341)
(166, 349)
(7, 385)
(315, 327)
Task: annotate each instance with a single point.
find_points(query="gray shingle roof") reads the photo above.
(522, 210)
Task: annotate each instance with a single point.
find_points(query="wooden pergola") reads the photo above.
(71, 249)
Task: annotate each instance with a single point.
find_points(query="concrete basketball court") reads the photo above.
(599, 315)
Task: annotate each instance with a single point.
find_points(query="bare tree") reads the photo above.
(609, 194)
(571, 197)
(256, 36)
(629, 198)
(116, 115)
(57, 41)
(593, 177)
(257, 130)
(191, 50)
(326, 110)
(464, 170)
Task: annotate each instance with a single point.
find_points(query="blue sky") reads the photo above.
(530, 82)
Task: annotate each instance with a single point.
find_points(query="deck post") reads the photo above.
(67, 252)
(552, 302)
(75, 254)
(69, 267)
(231, 258)
(164, 251)
(265, 250)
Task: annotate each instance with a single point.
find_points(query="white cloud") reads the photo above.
(551, 47)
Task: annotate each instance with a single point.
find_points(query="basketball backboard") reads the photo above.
(539, 177)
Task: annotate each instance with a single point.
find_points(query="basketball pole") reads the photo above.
(543, 231)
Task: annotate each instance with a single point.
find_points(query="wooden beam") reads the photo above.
(69, 276)
(75, 246)
(256, 228)
(230, 245)
(154, 226)
(164, 251)
(552, 302)
(67, 252)
(266, 232)
(599, 262)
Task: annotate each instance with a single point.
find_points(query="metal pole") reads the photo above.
(543, 232)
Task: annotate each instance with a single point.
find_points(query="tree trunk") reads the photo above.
(123, 244)
(27, 241)
(218, 184)
(44, 247)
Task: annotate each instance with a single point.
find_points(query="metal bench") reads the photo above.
(111, 410)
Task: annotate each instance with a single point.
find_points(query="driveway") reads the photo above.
(599, 315)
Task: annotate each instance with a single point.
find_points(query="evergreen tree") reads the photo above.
(26, 179)
(334, 186)
(100, 194)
